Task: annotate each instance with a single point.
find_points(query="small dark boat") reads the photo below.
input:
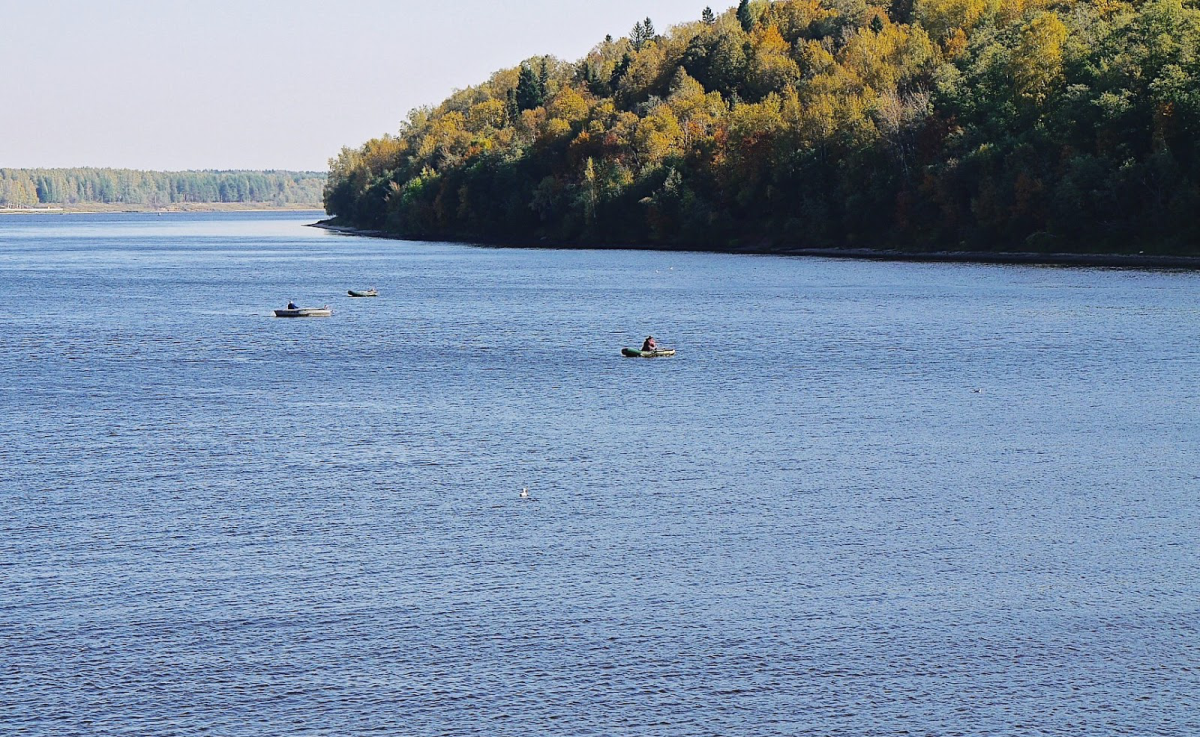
(363, 293)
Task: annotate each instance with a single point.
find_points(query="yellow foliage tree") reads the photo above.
(657, 136)
(1037, 64)
(772, 69)
(889, 58)
(487, 114)
(942, 17)
(556, 128)
(568, 105)
(794, 18)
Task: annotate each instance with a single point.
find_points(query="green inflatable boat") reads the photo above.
(635, 353)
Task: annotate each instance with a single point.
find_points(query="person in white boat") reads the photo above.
(292, 306)
(649, 344)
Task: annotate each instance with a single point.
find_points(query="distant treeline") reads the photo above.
(34, 187)
(1007, 125)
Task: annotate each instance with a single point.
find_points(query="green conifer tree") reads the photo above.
(511, 106)
(745, 16)
(619, 71)
(530, 92)
(637, 37)
(544, 81)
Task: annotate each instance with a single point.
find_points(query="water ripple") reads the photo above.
(864, 499)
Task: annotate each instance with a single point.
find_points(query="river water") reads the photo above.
(863, 499)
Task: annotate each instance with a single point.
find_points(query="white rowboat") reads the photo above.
(305, 312)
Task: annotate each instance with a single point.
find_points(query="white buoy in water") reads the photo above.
(524, 493)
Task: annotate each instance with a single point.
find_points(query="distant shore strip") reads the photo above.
(101, 208)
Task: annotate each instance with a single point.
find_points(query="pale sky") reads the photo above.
(263, 84)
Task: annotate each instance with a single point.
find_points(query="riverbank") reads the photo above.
(1143, 261)
(176, 207)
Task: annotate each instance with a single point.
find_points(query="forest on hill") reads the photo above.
(22, 188)
(917, 125)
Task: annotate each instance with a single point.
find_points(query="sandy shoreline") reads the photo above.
(975, 257)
